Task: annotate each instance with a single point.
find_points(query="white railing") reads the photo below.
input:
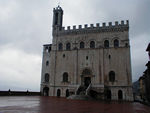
(77, 89)
(88, 89)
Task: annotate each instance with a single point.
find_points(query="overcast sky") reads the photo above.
(25, 25)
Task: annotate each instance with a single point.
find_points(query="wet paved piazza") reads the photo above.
(37, 104)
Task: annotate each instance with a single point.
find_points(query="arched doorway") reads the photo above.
(87, 81)
(58, 92)
(108, 94)
(120, 95)
(86, 77)
(67, 93)
(45, 91)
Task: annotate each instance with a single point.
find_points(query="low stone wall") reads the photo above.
(19, 93)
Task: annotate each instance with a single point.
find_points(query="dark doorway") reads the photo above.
(67, 93)
(45, 91)
(58, 93)
(108, 94)
(87, 81)
(120, 95)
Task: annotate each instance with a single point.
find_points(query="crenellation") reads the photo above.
(74, 27)
(85, 26)
(127, 22)
(122, 22)
(63, 28)
(91, 25)
(116, 23)
(80, 26)
(97, 24)
(68, 27)
(104, 24)
(122, 26)
(110, 24)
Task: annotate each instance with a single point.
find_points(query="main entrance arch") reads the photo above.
(86, 77)
(87, 81)
(45, 91)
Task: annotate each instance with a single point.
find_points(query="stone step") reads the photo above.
(80, 97)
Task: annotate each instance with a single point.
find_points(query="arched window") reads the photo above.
(46, 77)
(92, 44)
(60, 46)
(68, 46)
(116, 43)
(126, 44)
(111, 76)
(106, 43)
(81, 45)
(47, 63)
(65, 77)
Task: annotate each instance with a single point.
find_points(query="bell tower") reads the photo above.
(57, 18)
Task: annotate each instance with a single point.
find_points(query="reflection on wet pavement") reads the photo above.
(37, 104)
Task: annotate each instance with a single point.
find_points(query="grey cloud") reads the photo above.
(27, 27)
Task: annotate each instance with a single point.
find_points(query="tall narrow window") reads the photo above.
(111, 76)
(65, 77)
(56, 19)
(81, 45)
(92, 44)
(60, 46)
(106, 44)
(116, 43)
(49, 49)
(46, 77)
(126, 45)
(47, 63)
(68, 46)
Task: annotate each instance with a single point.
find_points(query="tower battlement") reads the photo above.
(117, 26)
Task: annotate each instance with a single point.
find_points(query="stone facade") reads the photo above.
(91, 60)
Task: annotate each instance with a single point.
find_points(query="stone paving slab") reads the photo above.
(37, 104)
